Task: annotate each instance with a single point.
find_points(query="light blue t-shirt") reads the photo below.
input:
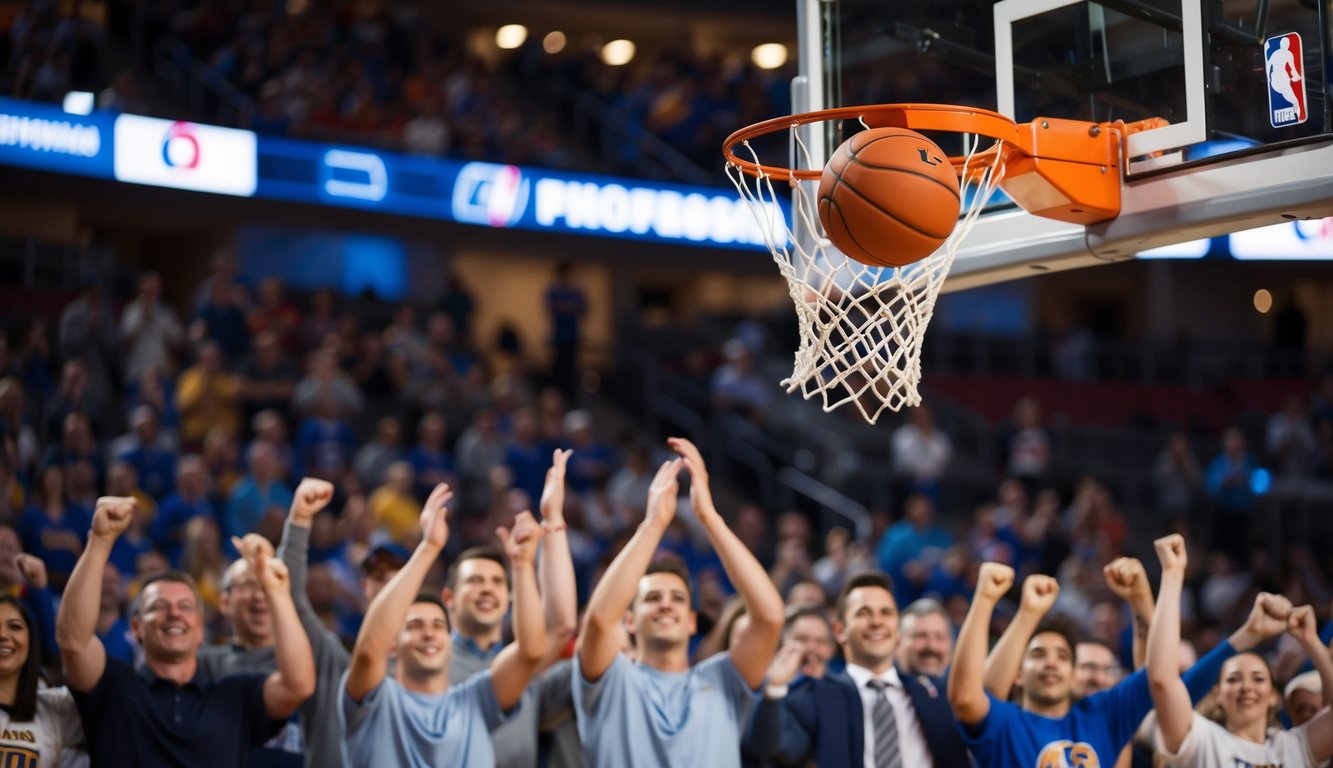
(1091, 734)
(636, 715)
(394, 726)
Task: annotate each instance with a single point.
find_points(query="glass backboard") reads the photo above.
(1242, 86)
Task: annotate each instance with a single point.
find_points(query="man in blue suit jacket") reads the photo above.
(827, 719)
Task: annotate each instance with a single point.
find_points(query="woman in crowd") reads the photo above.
(1241, 731)
(35, 722)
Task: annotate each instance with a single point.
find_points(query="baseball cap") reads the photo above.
(1306, 681)
(388, 553)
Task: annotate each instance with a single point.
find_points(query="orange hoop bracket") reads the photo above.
(1067, 170)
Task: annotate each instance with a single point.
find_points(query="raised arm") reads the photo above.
(386, 613)
(1126, 577)
(294, 551)
(559, 593)
(294, 680)
(1320, 729)
(514, 667)
(1171, 700)
(81, 651)
(758, 641)
(1006, 658)
(1303, 627)
(967, 695)
(599, 642)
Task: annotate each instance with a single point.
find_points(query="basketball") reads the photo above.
(888, 197)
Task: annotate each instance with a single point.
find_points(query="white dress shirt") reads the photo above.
(911, 739)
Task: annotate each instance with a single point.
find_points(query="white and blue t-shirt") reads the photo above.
(636, 715)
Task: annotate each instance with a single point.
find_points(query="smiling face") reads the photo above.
(1048, 669)
(1245, 691)
(170, 622)
(868, 628)
(246, 607)
(480, 597)
(14, 638)
(927, 644)
(816, 643)
(660, 617)
(423, 646)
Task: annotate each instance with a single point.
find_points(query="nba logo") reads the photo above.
(1286, 80)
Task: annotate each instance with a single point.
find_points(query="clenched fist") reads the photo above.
(1171, 552)
(1039, 593)
(994, 581)
(112, 516)
(1126, 578)
(311, 497)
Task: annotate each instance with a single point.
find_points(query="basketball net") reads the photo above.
(861, 327)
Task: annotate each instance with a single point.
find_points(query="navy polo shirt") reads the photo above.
(136, 718)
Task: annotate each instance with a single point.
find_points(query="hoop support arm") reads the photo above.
(1069, 170)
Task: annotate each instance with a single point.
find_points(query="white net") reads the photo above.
(861, 326)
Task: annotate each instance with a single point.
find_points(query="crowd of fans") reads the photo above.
(391, 76)
(207, 413)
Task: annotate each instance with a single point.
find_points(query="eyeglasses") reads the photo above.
(1105, 669)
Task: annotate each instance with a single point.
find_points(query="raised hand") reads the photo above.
(1302, 626)
(32, 569)
(251, 546)
(1127, 579)
(434, 518)
(661, 508)
(553, 493)
(311, 496)
(994, 581)
(270, 571)
(112, 516)
(701, 496)
(1039, 593)
(1171, 552)
(786, 664)
(520, 542)
(1270, 615)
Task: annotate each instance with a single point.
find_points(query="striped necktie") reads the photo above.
(886, 728)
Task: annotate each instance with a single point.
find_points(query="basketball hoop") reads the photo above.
(862, 326)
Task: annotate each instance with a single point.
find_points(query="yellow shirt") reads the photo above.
(400, 514)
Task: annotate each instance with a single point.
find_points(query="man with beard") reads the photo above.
(169, 712)
(873, 714)
(661, 711)
(414, 717)
(1047, 726)
(927, 644)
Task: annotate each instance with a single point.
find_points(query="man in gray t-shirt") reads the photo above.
(415, 718)
(660, 711)
(477, 594)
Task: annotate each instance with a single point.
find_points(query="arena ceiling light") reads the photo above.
(618, 52)
(510, 36)
(769, 55)
(554, 42)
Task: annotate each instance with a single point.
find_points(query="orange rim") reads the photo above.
(916, 117)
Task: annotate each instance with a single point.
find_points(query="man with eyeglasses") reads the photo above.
(250, 650)
(169, 712)
(1095, 668)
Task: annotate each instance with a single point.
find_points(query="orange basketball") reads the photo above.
(888, 197)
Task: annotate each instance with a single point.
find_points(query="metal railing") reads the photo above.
(793, 483)
(199, 88)
(623, 144)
